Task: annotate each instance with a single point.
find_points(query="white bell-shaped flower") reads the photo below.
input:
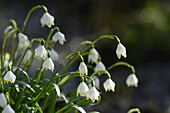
(92, 94)
(58, 36)
(8, 109)
(7, 29)
(24, 45)
(22, 37)
(93, 56)
(48, 64)
(82, 88)
(3, 101)
(83, 69)
(99, 66)
(9, 77)
(41, 52)
(47, 19)
(27, 55)
(109, 85)
(96, 81)
(54, 55)
(121, 50)
(132, 80)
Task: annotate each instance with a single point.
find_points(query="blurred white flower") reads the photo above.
(58, 36)
(54, 55)
(82, 89)
(7, 29)
(27, 55)
(132, 80)
(121, 50)
(92, 94)
(96, 81)
(47, 19)
(3, 101)
(6, 62)
(8, 109)
(9, 77)
(83, 69)
(23, 41)
(99, 66)
(93, 56)
(109, 85)
(41, 52)
(48, 64)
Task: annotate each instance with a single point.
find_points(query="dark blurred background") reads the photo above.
(143, 26)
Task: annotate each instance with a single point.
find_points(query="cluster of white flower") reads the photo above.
(108, 85)
(3, 103)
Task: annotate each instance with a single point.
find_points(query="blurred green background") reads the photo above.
(143, 26)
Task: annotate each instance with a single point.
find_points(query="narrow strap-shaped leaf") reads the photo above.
(57, 89)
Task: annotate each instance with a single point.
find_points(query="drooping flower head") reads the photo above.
(99, 66)
(8, 109)
(109, 85)
(23, 41)
(3, 101)
(58, 36)
(41, 52)
(48, 64)
(9, 77)
(83, 69)
(47, 19)
(92, 94)
(121, 50)
(93, 56)
(82, 88)
(54, 55)
(96, 81)
(132, 80)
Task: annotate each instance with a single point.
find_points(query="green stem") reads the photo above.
(134, 110)
(12, 47)
(102, 71)
(29, 13)
(123, 64)
(39, 74)
(93, 83)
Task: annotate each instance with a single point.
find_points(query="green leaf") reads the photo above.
(57, 89)
(79, 108)
(94, 112)
(27, 109)
(20, 82)
(64, 80)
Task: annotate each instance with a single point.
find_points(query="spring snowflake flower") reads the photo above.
(22, 37)
(109, 85)
(8, 109)
(132, 80)
(96, 81)
(54, 55)
(99, 66)
(23, 41)
(47, 19)
(7, 29)
(82, 89)
(58, 36)
(48, 64)
(92, 94)
(83, 69)
(41, 52)
(93, 56)
(121, 50)
(3, 101)
(9, 77)
(27, 55)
